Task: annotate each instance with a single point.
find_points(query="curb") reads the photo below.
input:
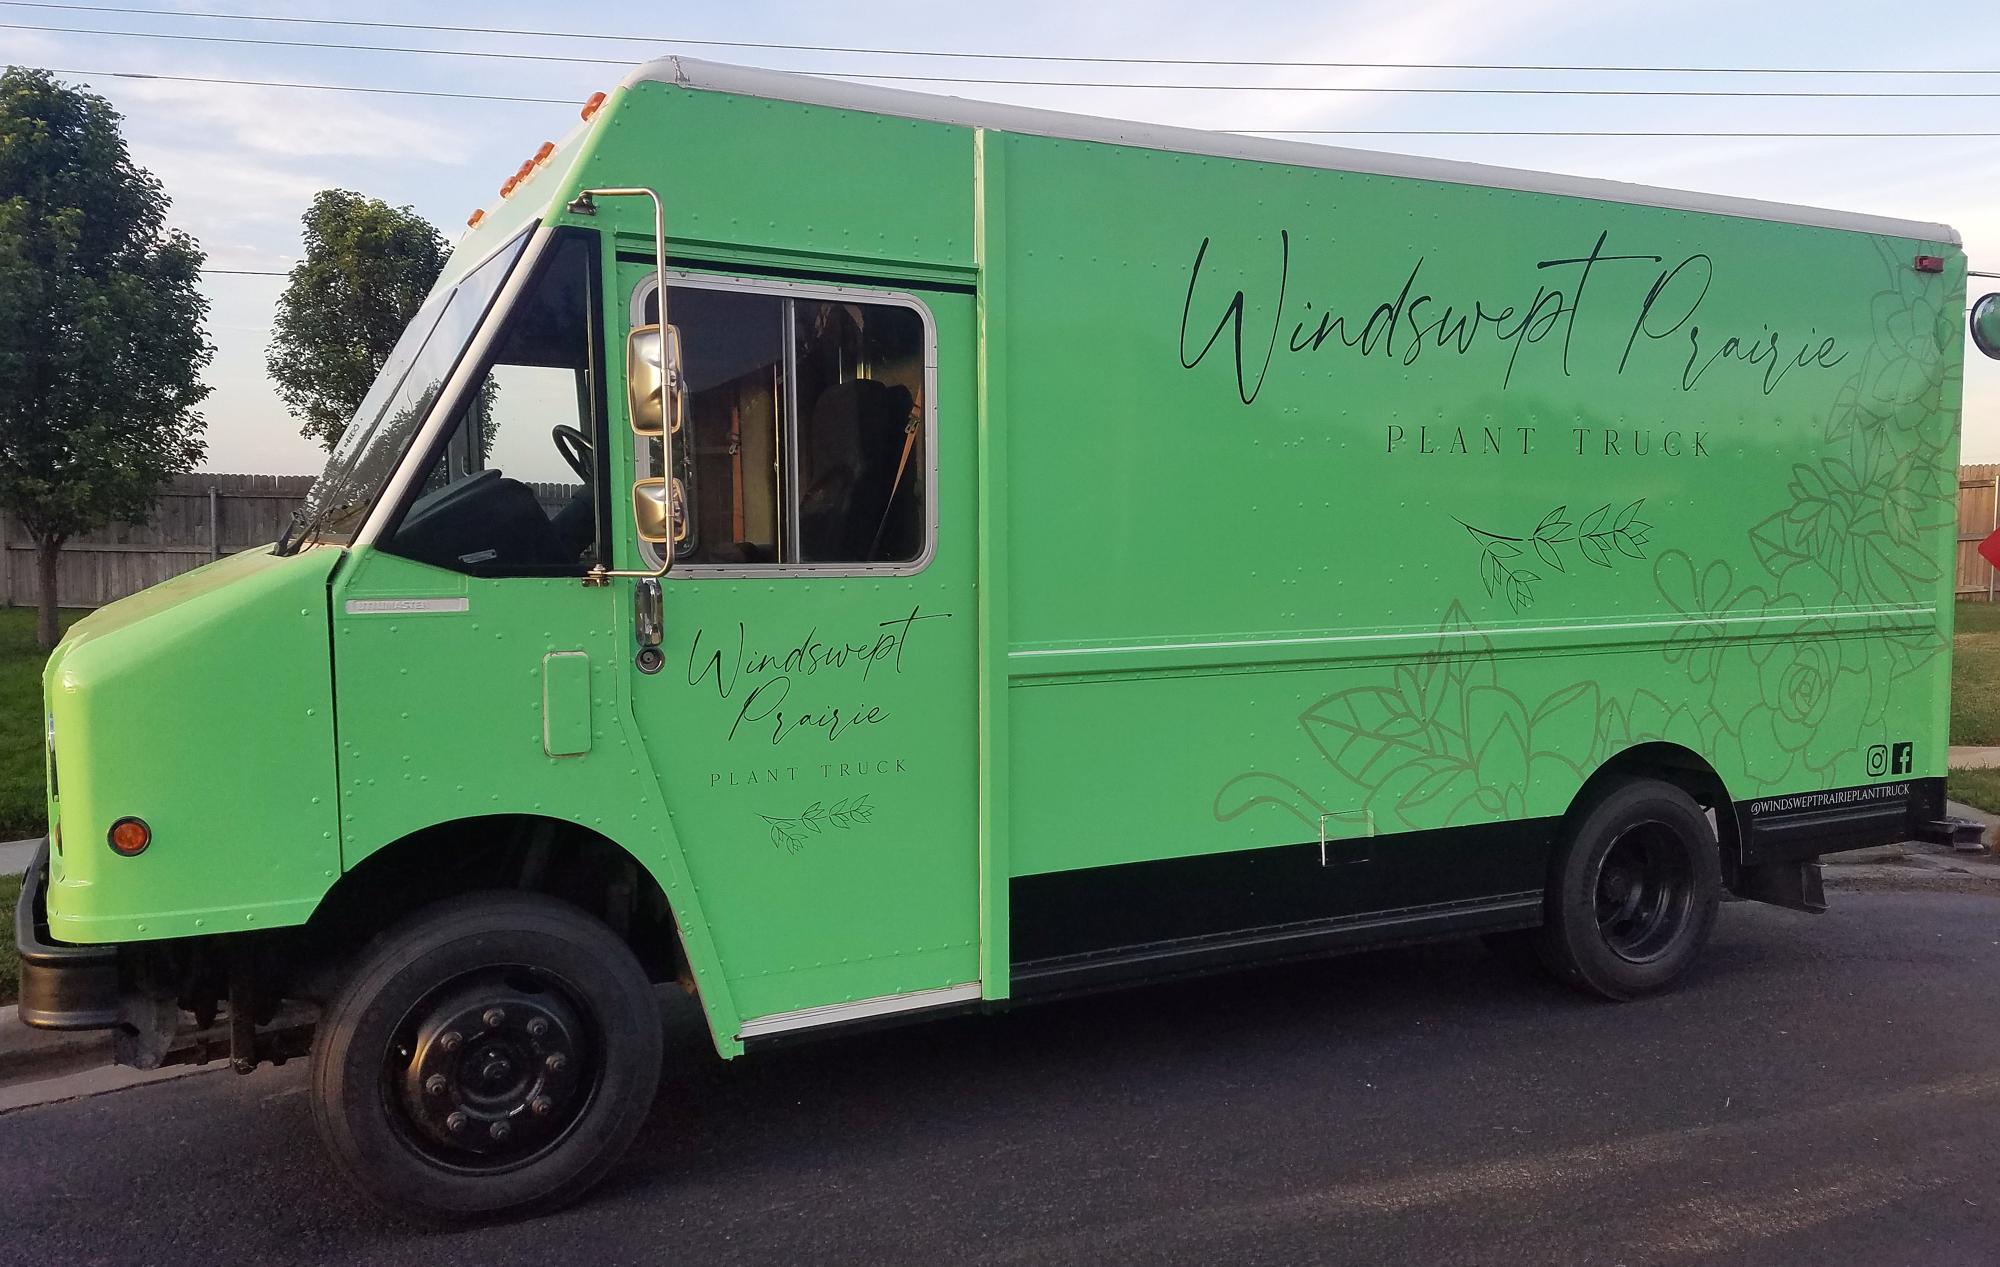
(27, 1053)
(67, 1087)
(1874, 855)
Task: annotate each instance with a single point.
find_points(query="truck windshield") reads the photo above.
(404, 391)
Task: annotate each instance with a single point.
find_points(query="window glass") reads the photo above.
(396, 404)
(514, 489)
(733, 351)
(805, 439)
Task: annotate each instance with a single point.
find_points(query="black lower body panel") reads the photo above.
(1133, 921)
(1804, 825)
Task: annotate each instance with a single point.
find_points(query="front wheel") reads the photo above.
(492, 1055)
(1633, 898)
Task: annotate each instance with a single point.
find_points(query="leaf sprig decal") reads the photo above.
(1627, 534)
(1600, 536)
(793, 834)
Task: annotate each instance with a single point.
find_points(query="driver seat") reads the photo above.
(856, 442)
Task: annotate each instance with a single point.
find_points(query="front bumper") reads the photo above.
(62, 986)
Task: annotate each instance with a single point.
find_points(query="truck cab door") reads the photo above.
(811, 716)
(475, 673)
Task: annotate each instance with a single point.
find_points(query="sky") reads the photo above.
(241, 163)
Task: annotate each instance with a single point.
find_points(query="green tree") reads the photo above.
(366, 270)
(102, 338)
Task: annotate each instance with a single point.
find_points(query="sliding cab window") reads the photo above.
(805, 441)
(512, 488)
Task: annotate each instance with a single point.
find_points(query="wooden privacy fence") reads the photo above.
(1978, 516)
(199, 518)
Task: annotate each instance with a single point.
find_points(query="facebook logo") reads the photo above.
(1903, 759)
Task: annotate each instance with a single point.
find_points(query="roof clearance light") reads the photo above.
(472, 221)
(542, 154)
(129, 837)
(591, 106)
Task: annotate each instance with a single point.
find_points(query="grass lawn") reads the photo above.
(1977, 788)
(10, 967)
(23, 797)
(1975, 675)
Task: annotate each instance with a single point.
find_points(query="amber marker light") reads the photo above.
(472, 221)
(514, 181)
(591, 107)
(129, 837)
(542, 154)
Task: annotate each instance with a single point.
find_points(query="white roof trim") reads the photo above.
(688, 72)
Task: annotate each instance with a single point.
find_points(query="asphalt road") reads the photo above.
(1827, 1090)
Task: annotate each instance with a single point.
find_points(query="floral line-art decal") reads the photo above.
(1444, 743)
(1600, 538)
(793, 834)
(1757, 675)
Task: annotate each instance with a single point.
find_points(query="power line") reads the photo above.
(1496, 132)
(1008, 57)
(279, 83)
(246, 272)
(1373, 89)
(351, 48)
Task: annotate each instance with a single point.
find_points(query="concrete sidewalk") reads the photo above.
(15, 855)
(1973, 758)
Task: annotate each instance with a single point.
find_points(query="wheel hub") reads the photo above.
(493, 1072)
(1643, 893)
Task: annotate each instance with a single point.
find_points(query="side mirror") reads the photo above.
(653, 357)
(659, 509)
(1986, 325)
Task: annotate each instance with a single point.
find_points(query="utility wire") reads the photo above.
(1554, 132)
(284, 83)
(1008, 57)
(1396, 90)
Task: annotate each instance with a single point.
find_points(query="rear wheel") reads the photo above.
(492, 1055)
(1633, 899)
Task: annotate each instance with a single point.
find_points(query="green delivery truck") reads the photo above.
(865, 556)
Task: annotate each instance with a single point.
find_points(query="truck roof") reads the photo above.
(706, 76)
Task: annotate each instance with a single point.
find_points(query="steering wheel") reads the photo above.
(574, 447)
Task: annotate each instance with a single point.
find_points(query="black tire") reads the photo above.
(1632, 898)
(490, 1056)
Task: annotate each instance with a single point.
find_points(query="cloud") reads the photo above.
(1452, 30)
(286, 122)
(215, 191)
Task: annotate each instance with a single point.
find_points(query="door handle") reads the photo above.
(648, 625)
